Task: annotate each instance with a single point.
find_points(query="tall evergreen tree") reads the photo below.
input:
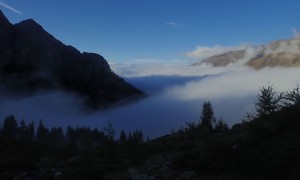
(56, 136)
(42, 133)
(30, 131)
(23, 125)
(292, 98)
(140, 136)
(135, 137)
(23, 130)
(10, 127)
(221, 126)
(123, 137)
(70, 138)
(109, 130)
(129, 139)
(268, 101)
(207, 117)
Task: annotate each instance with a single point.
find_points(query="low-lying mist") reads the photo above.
(175, 95)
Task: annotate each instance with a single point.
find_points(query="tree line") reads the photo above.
(78, 137)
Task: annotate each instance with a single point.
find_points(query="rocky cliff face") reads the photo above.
(31, 60)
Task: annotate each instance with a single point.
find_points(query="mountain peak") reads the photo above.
(29, 21)
(6, 36)
(4, 22)
(30, 25)
(31, 59)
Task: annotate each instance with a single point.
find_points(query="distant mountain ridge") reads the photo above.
(31, 59)
(281, 53)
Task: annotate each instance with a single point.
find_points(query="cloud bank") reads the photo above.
(232, 89)
(291, 47)
(164, 68)
(204, 52)
(176, 91)
(236, 84)
(206, 82)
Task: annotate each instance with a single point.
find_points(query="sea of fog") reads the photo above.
(175, 95)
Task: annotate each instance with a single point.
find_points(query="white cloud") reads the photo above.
(217, 82)
(163, 68)
(10, 7)
(289, 47)
(174, 24)
(203, 52)
(236, 84)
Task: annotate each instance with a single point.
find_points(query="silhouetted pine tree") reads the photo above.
(22, 129)
(10, 127)
(135, 137)
(70, 138)
(30, 131)
(221, 127)
(26, 131)
(98, 136)
(56, 136)
(292, 97)
(207, 116)
(123, 137)
(268, 101)
(129, 139)
(140, 136)
(42, 133)
(109, 130)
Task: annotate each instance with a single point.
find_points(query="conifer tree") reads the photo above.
(42, 133)
(109, 130)
(10, 127)
(268, 101)
(207, 116)
(56, 136)
(292, 98)
(221, 126)
(123, 137)
(25, 131)
(30, 131)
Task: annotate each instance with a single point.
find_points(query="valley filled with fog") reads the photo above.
(175, 93)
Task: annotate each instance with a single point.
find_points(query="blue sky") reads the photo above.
(123, 30)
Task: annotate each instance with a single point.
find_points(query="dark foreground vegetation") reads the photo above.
(266, 145)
